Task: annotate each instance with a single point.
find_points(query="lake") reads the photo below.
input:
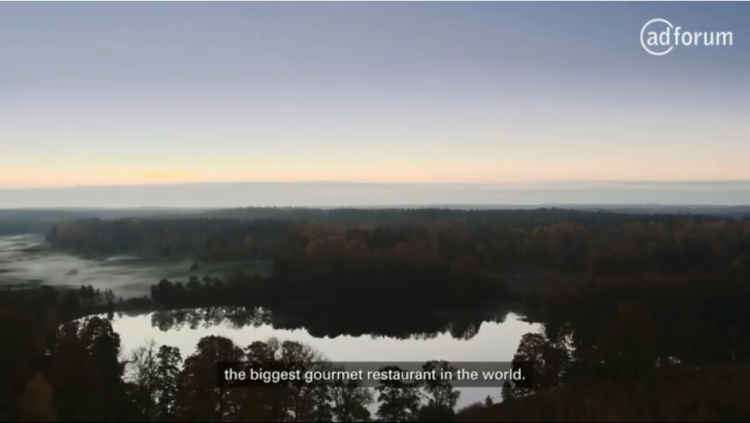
(488, 341)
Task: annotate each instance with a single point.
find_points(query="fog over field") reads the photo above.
(24, 260)
(333, 194)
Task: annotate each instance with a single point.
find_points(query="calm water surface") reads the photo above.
(492, 341)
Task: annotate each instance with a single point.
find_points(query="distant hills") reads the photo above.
(699, 194)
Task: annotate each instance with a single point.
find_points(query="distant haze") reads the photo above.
(330, 194)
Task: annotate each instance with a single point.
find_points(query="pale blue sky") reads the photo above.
(134, 93)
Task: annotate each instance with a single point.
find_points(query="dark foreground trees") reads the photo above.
(85, 376)
(641, 352)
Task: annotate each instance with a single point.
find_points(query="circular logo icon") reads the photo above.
(651, 41)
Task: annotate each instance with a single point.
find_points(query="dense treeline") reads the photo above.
(203, 237)
(404, 215)
(443, 259)
(600, 243)
(341, 282)
(40, 221)
(68, 301)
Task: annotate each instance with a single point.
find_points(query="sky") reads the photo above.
(100, 94)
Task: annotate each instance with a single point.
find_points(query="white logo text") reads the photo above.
(659, 37)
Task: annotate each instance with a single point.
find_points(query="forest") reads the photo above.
(654, 329)
(556, 240)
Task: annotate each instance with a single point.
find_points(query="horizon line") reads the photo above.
(322, 182)
(396, 206)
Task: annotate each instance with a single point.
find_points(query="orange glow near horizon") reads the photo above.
(480, 173)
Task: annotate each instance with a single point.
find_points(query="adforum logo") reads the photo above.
(659, 37)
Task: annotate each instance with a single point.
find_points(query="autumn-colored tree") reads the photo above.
(86, 374)
(199, 397)
(21, 346)
(548, 362)
(35, 404)
(295, 401)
